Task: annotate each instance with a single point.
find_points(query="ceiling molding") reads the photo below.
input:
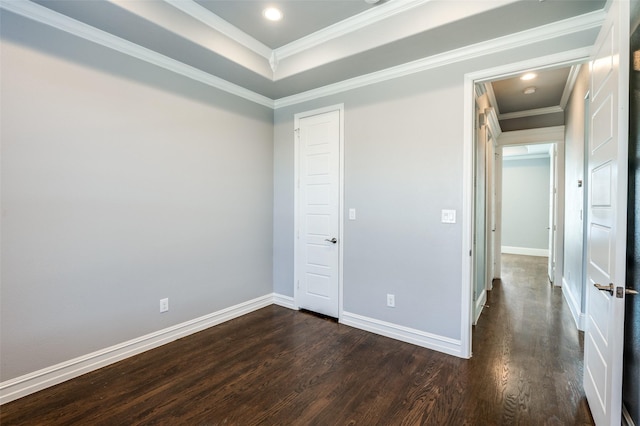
(532, 136)
(525, 157)
(347, 26)
(492, 97)
(513, 41)
(531, 112)
(480, 89)
(209, 18)
(64, 23)
(568, 88)
(493, 123)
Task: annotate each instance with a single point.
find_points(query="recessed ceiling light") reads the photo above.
(272, 14)
(529, 76)
(529, 90)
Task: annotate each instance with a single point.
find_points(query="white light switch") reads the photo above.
(448, 216)
(352, 214)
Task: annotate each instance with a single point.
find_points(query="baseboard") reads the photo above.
(479, 306)
(284, 301)
(404, 334)
(29, 383)
(574, 306)
(525, 251)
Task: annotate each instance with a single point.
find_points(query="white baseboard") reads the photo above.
(27, 384)
(479, 306)
(404, 334)
(284, 301)
(574, 306)
(32, 382)
(525, 251)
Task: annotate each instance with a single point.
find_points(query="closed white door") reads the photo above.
(606, 221)
(318, 195)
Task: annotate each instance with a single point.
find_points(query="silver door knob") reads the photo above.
(333, 240)
(608, 288)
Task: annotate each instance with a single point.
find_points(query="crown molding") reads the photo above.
(209, 18)
(339, 29)
(546, 32)
(568, 88)
(531, 112)
(349, 25)
(494, 124)
(492, 97)
(64, 23)
(532, 136)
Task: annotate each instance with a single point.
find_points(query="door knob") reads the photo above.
(601, 287)
(333, 240)
(610, 287)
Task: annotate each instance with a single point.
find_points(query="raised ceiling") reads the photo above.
(301, 18)
(317, 44)
(517, 110)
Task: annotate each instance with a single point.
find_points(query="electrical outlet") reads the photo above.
(164, 305)
(391, 300)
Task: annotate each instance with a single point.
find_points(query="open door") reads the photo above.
(607, 152)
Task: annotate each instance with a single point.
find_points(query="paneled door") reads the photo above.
(318, 137)
(606, 221)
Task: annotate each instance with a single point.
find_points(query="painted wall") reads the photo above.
(525, 203)
(574, 196)
(122, 184)
(403, 164)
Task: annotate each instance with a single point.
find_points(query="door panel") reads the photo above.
(606, 230)
(317, 255)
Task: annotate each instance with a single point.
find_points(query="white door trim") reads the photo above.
(564, 58)
(296, 125)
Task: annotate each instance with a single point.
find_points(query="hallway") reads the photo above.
(279, 366)
(530, 350)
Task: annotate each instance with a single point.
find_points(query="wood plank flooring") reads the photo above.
(281, 367)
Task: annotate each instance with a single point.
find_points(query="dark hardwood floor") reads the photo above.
(281, 367)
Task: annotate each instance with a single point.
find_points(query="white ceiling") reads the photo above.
(318, 43)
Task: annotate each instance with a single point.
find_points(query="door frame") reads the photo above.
(296, 200)
(567, 58)
(554, 136)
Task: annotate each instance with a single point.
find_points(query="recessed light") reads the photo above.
(529, 90)
(272, 14)
(529, 76)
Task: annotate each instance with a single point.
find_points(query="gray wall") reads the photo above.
(525, 202)
(403, 164)
(574, 195)
(121, 184)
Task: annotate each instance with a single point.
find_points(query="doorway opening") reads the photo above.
(493, 131)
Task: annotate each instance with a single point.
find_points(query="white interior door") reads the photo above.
(318, 222)
(606, 220)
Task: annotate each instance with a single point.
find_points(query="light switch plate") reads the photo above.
(352, 214)
(448, 216)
